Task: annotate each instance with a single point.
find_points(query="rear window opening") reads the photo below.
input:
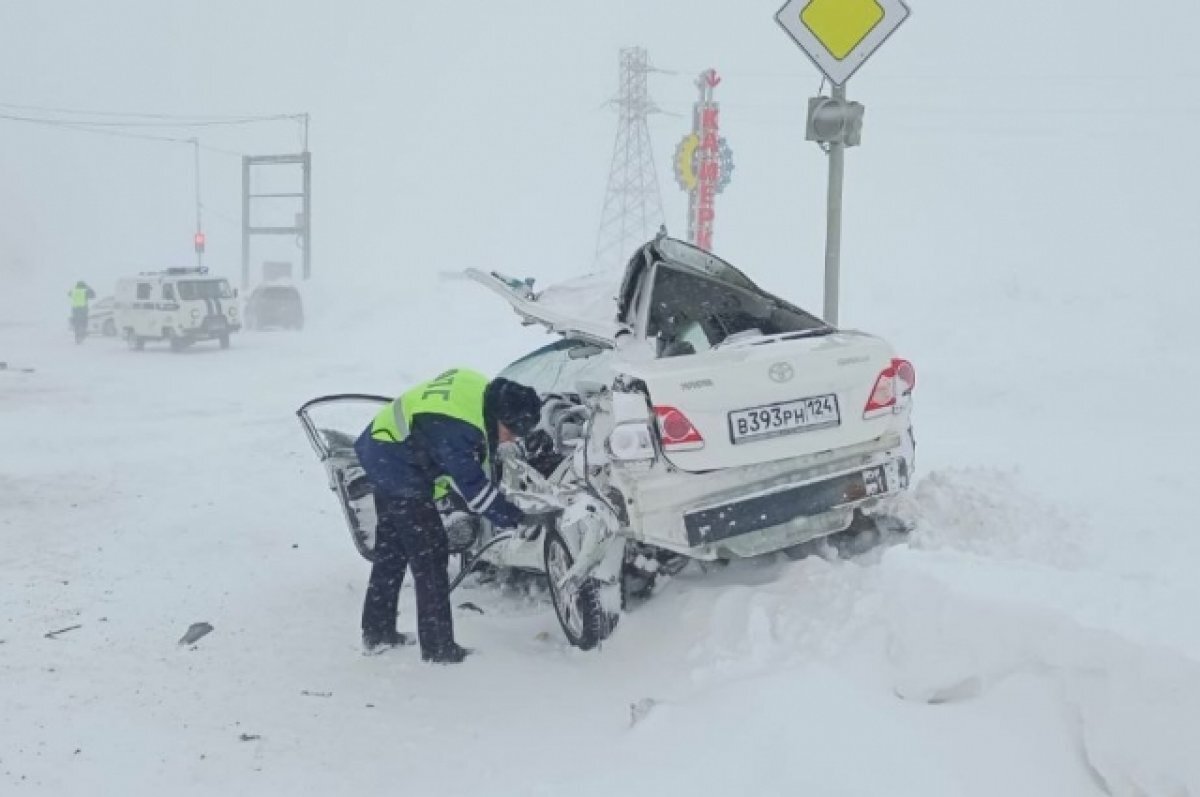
(691, 313)
(277, 294)
(204, 289)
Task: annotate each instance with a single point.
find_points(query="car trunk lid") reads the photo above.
(767, 399)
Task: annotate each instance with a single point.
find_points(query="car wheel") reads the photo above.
(580, 610)
(135, 342)
(177, 343)
(224, 341)
(110, 329)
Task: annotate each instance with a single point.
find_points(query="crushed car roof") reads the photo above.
(590, 306)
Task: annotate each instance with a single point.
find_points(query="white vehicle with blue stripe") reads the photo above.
(178, 306)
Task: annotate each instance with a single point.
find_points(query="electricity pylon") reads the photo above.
(633, 210)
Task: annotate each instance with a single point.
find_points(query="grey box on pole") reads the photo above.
(834, 121)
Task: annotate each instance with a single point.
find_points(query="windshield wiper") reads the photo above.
(807, 333)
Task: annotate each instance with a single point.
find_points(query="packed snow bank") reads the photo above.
(959, 626)
(989, 512)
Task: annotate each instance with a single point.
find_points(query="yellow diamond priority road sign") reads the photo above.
(839, 35)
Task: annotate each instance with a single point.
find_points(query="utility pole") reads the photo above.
(633, 209)
(198, 238)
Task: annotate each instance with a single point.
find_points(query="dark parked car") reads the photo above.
(274, 305)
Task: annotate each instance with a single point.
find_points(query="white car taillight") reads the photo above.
(897, 381)
(676, 431)
(631, 442)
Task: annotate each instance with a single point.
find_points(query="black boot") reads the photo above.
(378, 642)
(453, 654)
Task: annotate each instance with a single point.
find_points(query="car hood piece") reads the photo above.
(583, 308)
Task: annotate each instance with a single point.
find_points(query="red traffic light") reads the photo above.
(198, 240)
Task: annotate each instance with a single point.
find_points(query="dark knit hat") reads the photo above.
(516, 406)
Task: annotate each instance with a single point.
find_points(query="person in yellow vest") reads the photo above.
(80, 295)
(437, 436)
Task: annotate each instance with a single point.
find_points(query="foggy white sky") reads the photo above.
(1003, 140)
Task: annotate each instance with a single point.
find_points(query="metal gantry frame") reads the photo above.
(302, 229)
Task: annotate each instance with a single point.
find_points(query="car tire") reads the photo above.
(109, 329)
(135, 342)
(224, 339)
(581, 614)
(177, 343)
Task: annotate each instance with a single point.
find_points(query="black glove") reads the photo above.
(537, 443)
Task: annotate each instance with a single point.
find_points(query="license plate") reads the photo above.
(772, 420)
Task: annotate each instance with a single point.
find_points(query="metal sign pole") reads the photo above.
(245, 222)
(838, 36)
(833, 220)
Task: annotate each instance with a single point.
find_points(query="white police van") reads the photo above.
(178, 306)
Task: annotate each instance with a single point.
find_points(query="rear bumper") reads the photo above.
(757, 510)
(208, 330)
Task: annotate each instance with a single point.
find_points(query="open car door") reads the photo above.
(332, 424)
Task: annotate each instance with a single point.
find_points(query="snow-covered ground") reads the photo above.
(1020, 222)
(1036, 636)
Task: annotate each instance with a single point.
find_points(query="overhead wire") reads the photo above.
(116, 124)
(200, 123)
(163, 119)
(86, 127)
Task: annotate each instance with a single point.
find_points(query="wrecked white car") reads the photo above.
(693, 416)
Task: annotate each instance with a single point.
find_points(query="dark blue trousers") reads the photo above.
(410, 534)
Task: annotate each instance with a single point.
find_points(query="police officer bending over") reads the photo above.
(438, 435)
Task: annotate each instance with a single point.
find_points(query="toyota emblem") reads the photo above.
(781, 372)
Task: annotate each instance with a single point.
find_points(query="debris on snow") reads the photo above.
(307, 693)
(196, 632)
(54, 634)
